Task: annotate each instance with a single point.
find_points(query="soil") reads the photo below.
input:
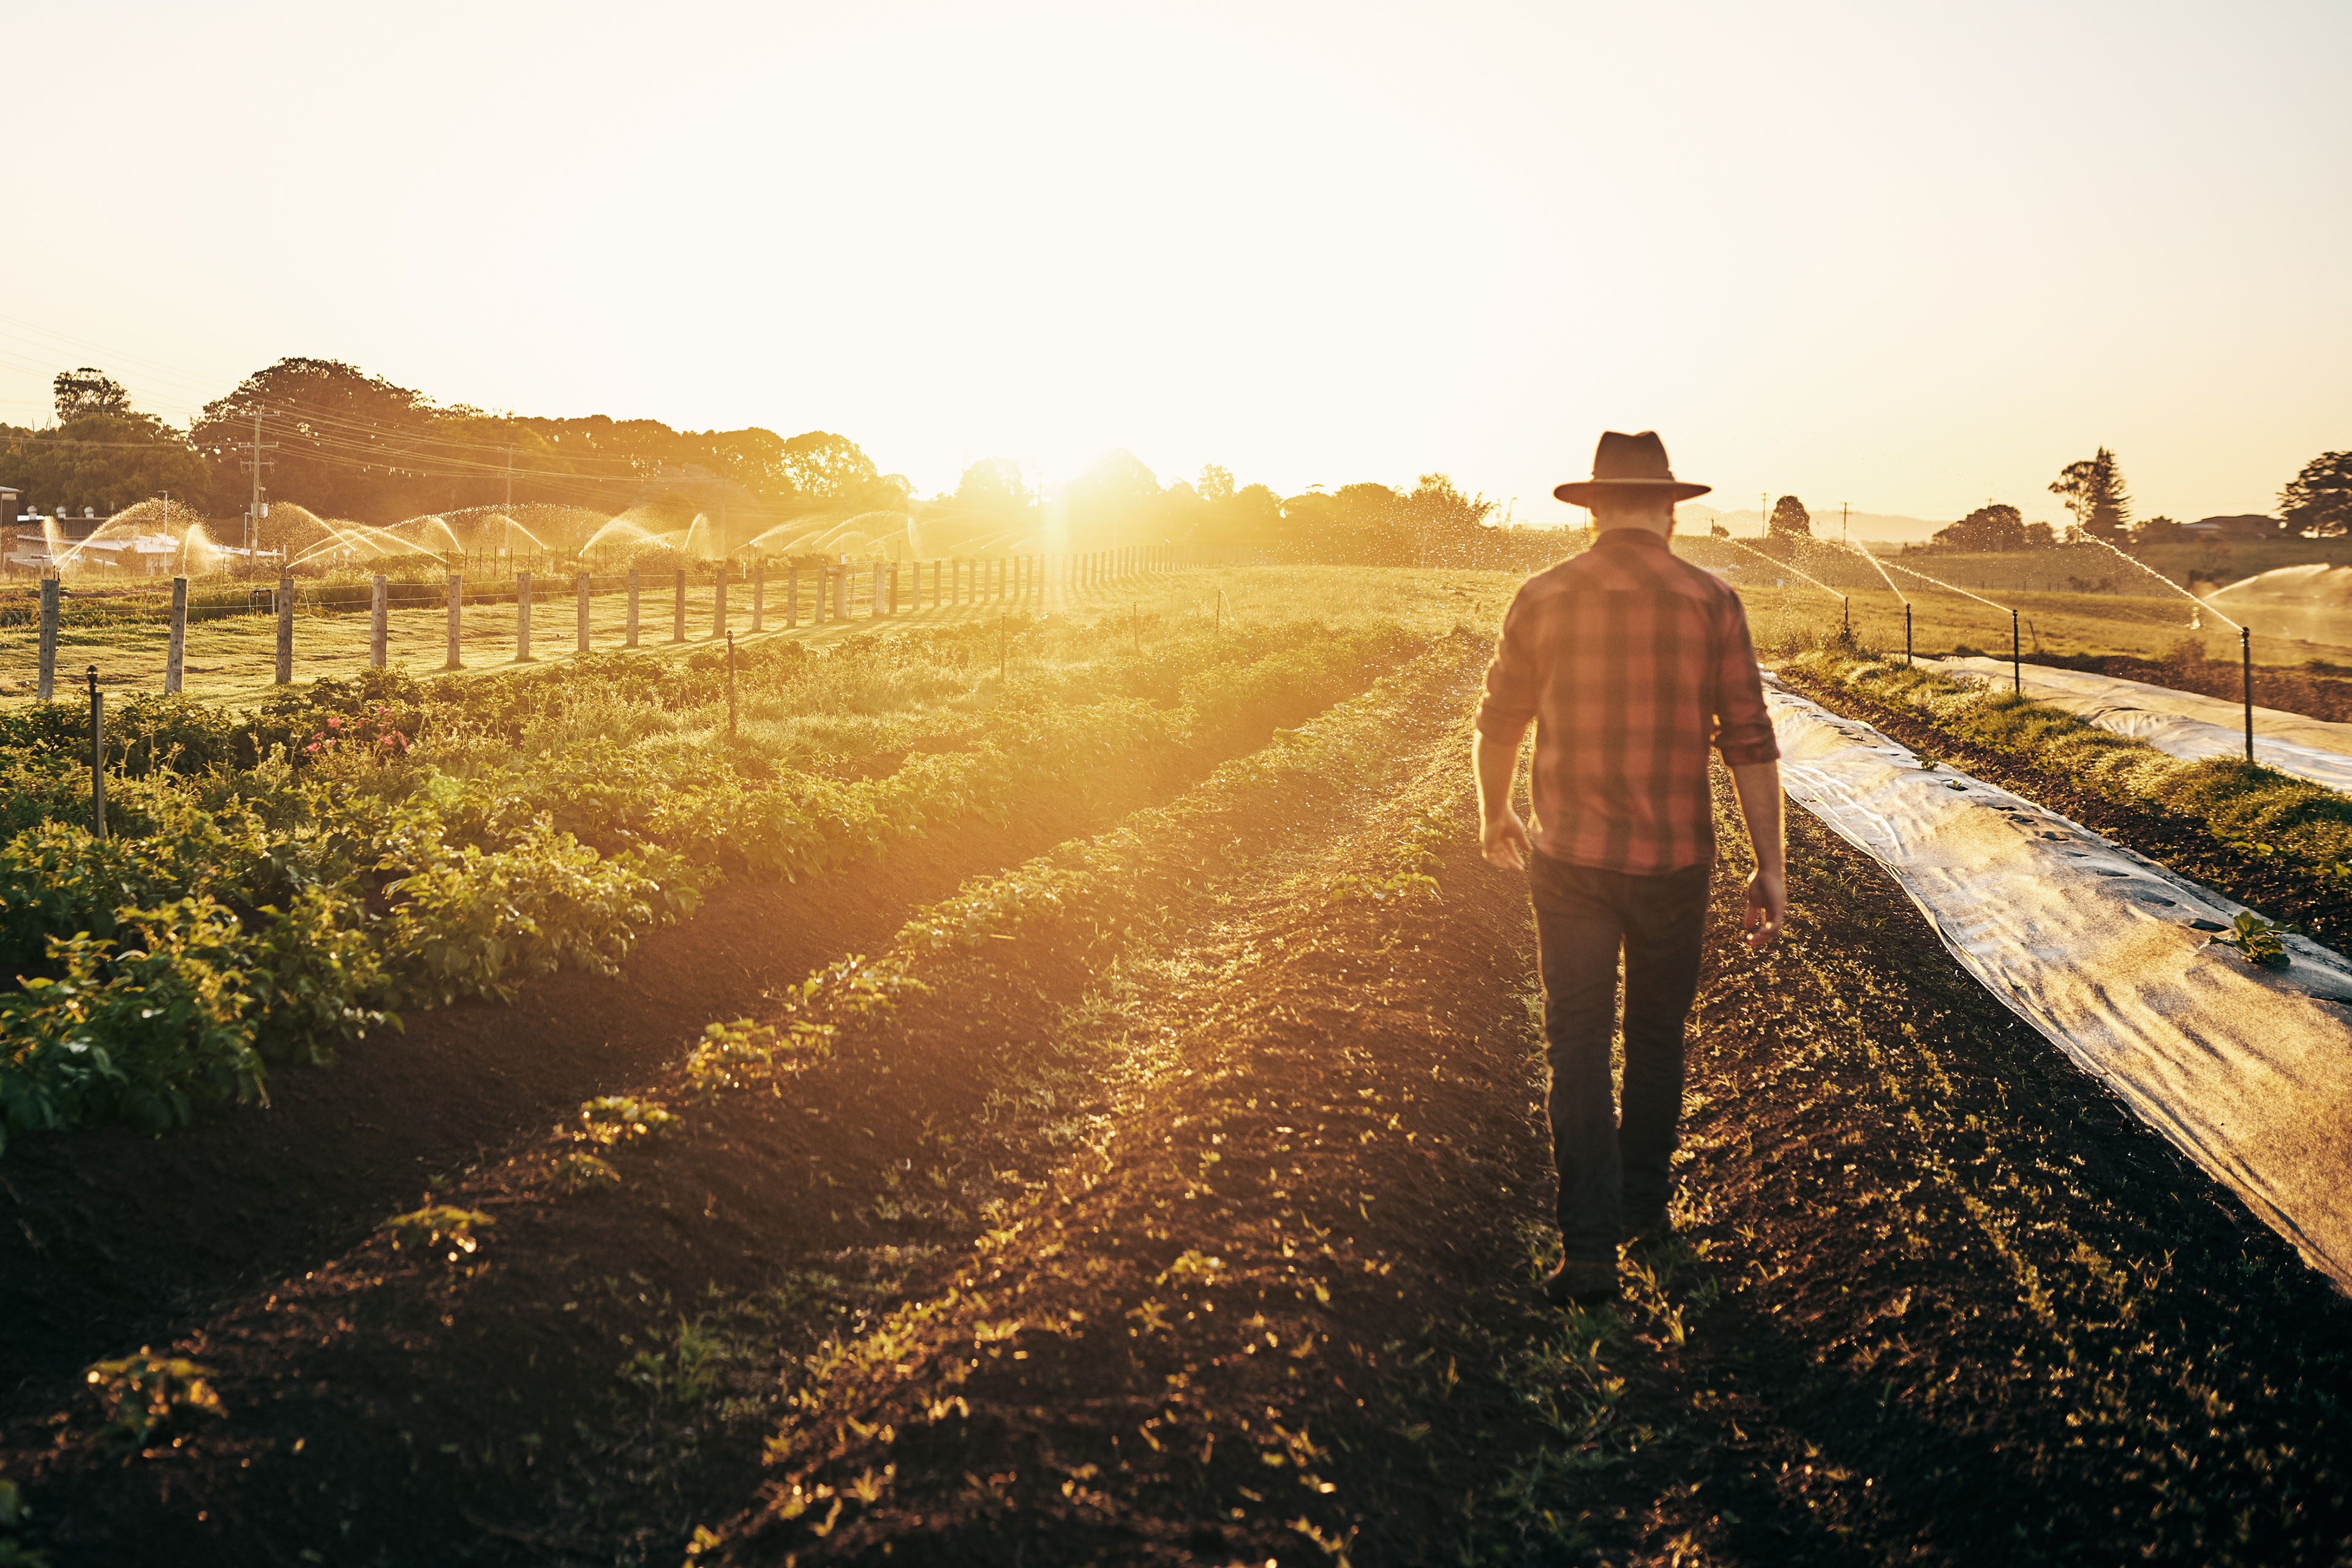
(111, 1239)
(2314, 693)
(1202, 1223)
(2276, 887)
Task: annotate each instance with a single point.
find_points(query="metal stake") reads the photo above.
(2016, 666)
(2246, 667)
(97, 757)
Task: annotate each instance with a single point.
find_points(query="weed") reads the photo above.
(145, 1395)
(437, 1225)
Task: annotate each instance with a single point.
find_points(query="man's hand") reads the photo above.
(1503, 841)
(1768, 908)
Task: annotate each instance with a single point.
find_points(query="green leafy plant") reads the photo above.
(581, 1173)
(436, 1225)
(2256, 940)
(145, 1395)
(615, 1119)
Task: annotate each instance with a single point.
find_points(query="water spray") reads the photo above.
(2245, 633)
(2016, 665)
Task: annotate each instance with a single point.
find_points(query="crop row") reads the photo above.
(276, 883)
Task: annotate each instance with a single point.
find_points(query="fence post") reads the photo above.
(633, 585)
(522, 616)
(175, 652)
(97, 758)
(894, 587)
(719, 602)
(379, 623)
(678, 610)
(841, 592)
(792, 595)
(49, 586)
(286, 628)
(580, 588)
(457, 603)
(759, 591)
(915, 585)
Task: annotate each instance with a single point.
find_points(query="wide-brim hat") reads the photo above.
(1625, 466)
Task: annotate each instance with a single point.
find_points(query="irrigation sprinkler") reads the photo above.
(175, 651)
(2016, 668)
(2246, 670)
(1906, 633)
(2245, 636)
(1955, 588)
(97, 758)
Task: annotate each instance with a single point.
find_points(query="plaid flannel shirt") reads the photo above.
(1632, 664)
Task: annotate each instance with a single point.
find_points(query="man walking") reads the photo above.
(1630, 664)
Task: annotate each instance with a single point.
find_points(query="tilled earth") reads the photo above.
(1191, 1211)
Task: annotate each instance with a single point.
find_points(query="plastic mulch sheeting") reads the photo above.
(2183, 724)
(2248, 1070)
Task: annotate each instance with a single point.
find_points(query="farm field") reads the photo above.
(233, 660)
(1138, 1160)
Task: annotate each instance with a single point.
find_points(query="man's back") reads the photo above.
(1632, 664)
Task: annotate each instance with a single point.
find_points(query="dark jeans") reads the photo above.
(1615, 1176)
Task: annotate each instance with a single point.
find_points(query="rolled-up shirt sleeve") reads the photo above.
(1743, 724)
(1508, 706)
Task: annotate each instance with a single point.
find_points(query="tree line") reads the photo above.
(2317, 502)
(352, 447)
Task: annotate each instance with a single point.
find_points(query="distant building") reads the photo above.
(2243, 525)
(26, 546)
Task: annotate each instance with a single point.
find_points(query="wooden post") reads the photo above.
(457, 603)
(719, 602)
(580, 589)
(678, 610)
(286, 628)
(915, 586)
(522, 617)
(792, 595)
(841, 592)
(894, 587)
(175, 652)
(823, 593)
(97, 758)
(49, 586)
(634, 584)
(379, 623)
(759, 591)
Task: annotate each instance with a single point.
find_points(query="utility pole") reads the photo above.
(510, 506)
(253, 507)
(1842, 511)
(1764, 512)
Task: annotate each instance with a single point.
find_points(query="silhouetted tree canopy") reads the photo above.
(2093, 490)
(1789, 520)
(2319, 500)
(101, 456)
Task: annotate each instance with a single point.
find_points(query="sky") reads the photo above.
(1909, 257)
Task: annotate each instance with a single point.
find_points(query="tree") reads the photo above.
(1215, 485)
(1986, 530)
(102, 455)
(1789, 520)
(992, 484)
(87, 390)
(2093, 490)
(2319, 498)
